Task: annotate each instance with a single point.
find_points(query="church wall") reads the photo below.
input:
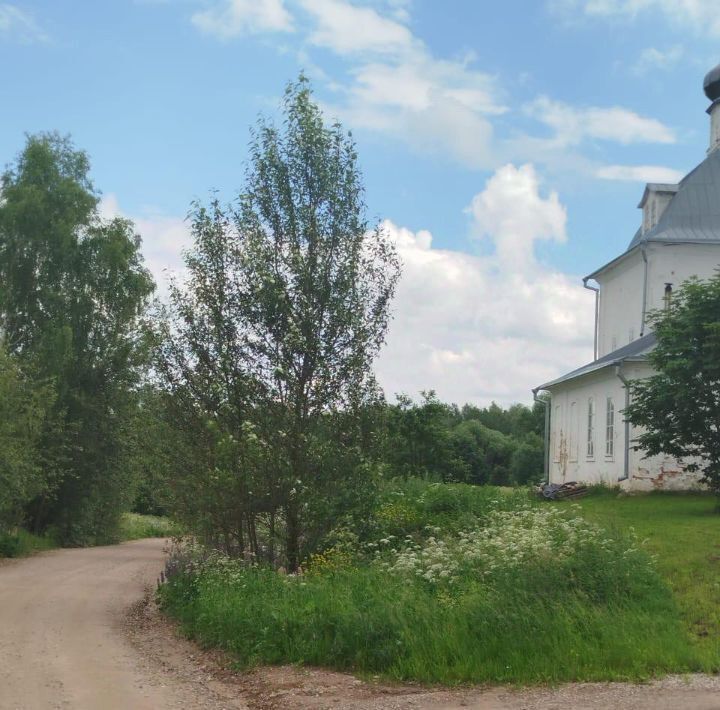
(569, 459)
(568, 455)
(620, 306)
(621, 287)
(675, 263)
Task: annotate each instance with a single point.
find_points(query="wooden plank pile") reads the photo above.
(562, 491)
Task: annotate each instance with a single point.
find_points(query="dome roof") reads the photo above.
(711, 84)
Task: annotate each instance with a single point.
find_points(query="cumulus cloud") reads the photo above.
(639, 173)
(349, 29)
(482, 328)
(573, 124)
(434, 105)
(233, 18)
(20, 25)
(511, 213)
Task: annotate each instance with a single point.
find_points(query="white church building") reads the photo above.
(587, 438)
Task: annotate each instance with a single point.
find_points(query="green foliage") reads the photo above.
(679, 407)
(134, 526)
(526, 463)
(23, 410)
(21, 543)
(523, 593)
(267, 352)
(441, 442)
(72, 292)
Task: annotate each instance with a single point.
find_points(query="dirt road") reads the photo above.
(78, 632)
(62, 641)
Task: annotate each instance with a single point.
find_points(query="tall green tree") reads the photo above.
(679, 406)
(288, 304)
(73, 290)
(23, 409)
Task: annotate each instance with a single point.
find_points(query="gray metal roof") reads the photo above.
(693, 215)
(637, 350)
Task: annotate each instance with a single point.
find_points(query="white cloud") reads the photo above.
(652, 58)
(446, 107)
(164, 238)
(700, 15)
(574, 124)
(511, 212)
(348, 29)
(478, 328)
(639, 173)
(434, 105)
(20, 25)
(233, 18)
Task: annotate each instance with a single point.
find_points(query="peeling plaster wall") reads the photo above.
(569, 459)
(655, 472)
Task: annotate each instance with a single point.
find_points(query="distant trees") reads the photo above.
(269, 347)
(72, 293)
(679, 406)
(469, 445)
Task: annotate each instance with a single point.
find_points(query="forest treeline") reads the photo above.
(245, 406)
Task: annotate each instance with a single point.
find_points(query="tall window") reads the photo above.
(591, 428)
(610, 428)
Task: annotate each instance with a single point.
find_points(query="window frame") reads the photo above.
(590, 430)
(609, 429)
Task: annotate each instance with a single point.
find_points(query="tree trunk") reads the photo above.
(293, 538)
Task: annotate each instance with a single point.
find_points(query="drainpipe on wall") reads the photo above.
(644, 301)
(546, 438)
(626, 385)
(597, 314)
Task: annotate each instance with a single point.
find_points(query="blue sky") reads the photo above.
(506, 144)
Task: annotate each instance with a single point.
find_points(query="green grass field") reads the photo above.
(682, 531)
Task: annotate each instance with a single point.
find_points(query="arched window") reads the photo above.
(591, 428)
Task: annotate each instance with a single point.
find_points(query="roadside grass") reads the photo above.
(682, 531)
(21, 543)
(134, 526)
(451, 584)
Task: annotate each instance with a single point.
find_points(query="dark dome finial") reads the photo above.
(711, 85)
